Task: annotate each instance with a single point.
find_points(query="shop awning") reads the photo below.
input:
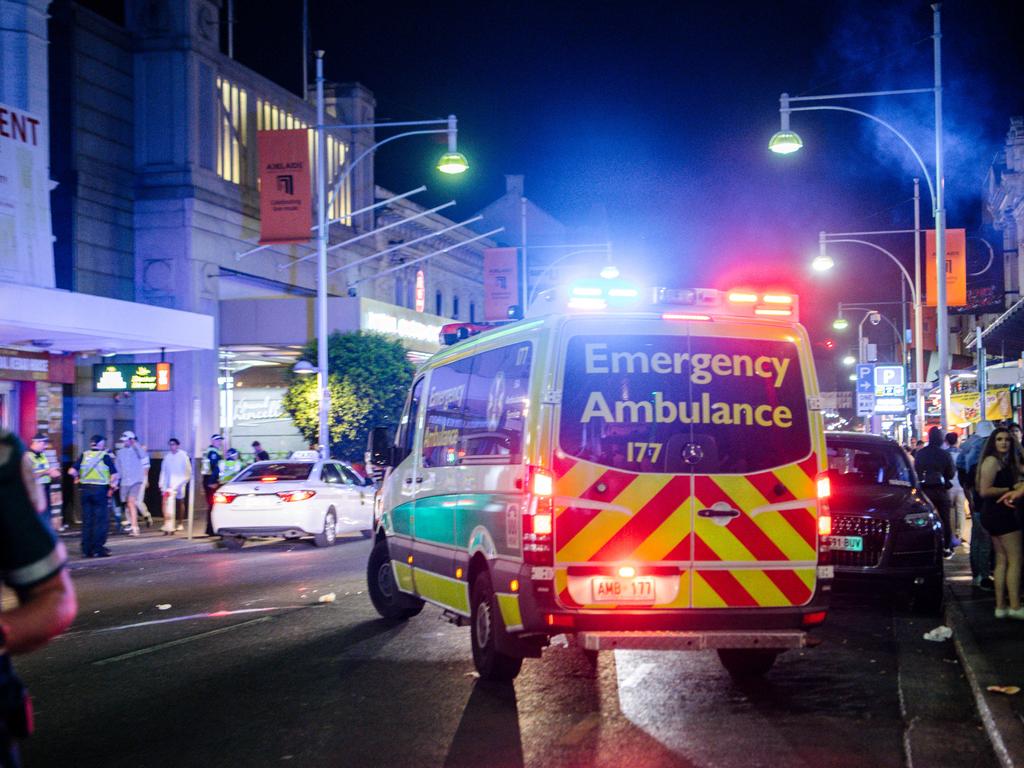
(1005, 337)
(67, 321)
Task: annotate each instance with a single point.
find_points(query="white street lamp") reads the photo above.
(787, 141)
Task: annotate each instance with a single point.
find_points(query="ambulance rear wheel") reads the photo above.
(390, 602)
(744, 663)
(485, 625)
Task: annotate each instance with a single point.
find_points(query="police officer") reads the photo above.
(43, 473)
(96, 475)
(212, 459)
(231, 466)
(32, 564)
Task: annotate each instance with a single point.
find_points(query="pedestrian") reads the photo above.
(32, 564)
(918, 445)
(232, 466)
(175, 474)
(42, 473)
(96, 475)
(967, 470)
(258, 454)
(132, 468)
(936, 470)
(211, 467)
(957, 500)
(1000, 473)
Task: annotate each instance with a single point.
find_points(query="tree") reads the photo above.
(369, 379)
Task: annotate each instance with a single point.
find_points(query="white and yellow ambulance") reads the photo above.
(629, 470)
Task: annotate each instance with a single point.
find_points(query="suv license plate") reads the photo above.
(847, 543)
(611, 589)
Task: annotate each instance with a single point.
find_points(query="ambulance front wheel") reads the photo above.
(389, 601)
(485, 625)
(744, 663)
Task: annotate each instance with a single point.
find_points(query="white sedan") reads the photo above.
(293, 498)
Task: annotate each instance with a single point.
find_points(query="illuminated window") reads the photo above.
(232, 130)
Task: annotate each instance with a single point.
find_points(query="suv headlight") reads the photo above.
(919, 519)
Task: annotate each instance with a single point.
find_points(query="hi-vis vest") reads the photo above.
(40, 464)
(206, 467)
(94, 469)
(229, 468)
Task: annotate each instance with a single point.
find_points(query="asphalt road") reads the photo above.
(247, 668)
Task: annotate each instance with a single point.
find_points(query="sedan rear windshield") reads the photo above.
(864, 464)
(279, 470)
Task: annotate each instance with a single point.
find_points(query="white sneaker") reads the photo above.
(1015, 613)
(1001, 613)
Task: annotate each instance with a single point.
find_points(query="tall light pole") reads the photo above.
(451, 162)
(786, 141)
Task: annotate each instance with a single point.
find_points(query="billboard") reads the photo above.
(956, 267)
(501, 282)
(131, 377)
(26, 233)
(285, 190)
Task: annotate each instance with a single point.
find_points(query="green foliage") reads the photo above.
(369, 378)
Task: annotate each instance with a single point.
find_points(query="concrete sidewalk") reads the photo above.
(992, 653)
(149, 543)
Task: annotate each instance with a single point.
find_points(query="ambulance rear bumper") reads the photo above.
(693, 641)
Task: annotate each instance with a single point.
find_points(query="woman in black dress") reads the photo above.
(999, 472)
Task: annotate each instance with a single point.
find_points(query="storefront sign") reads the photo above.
(404, 328)
(257, 404)
(963, 406)
(26, 237)
(501, 282)
(132, 377)
(956, 267)
(421, 291)
(285, 190)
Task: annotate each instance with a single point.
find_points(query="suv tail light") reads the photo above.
(296, 495)
(539, 518)
(223, 498)
(824, 486)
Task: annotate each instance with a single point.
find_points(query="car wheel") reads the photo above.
(928, 597)
(485, 624)
(390, 602)
(233, 542)
(329, 534)
(745, 663)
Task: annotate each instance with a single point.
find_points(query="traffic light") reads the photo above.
(829, 344)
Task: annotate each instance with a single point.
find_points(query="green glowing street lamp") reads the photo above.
(785, 142)
(840, 324)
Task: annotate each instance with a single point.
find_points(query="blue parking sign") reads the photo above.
(865, 378)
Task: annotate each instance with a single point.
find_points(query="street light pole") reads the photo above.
(919, 372)
(323, 383)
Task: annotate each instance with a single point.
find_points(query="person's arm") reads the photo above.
(949, 472)
(75, 468)
(115, 477)
(35, 494)
(986, 477)
(45, 610)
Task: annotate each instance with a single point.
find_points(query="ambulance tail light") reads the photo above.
(824, 486)
(539, 518)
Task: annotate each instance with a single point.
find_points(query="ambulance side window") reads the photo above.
(496, 406)
(407, 429)
(445, 403)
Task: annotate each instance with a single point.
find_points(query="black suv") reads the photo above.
(883, 526)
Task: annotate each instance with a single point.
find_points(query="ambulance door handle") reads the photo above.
(718, 512)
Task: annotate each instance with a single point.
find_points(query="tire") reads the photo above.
(233, 542)
(390, 603)
(928, 597)
(485, 624)
(329, 534)
(745, 663)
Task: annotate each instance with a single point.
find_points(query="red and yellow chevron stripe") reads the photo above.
(763, 557)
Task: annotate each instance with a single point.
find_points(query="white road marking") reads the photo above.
(180, 641)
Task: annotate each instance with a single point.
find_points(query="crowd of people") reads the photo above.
(113, 484)
(981, 480)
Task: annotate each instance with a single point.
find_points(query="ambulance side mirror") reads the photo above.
(380, 447)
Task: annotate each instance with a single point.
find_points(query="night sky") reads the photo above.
(652, 119)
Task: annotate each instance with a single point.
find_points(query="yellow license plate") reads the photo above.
(612, 589)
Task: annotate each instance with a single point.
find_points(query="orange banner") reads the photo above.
(956, 267)
(285, 189)
(501, 282)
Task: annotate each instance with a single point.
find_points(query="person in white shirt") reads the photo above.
(175, 474)
(132, 467)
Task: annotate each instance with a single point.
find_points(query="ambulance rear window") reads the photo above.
(642, 403)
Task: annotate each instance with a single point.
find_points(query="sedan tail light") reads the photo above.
(224, 498)
(296, 495)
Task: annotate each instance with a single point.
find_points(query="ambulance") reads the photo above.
(628, 469)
